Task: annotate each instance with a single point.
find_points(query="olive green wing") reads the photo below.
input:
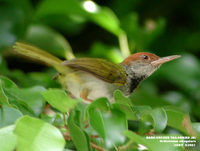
(103, 69)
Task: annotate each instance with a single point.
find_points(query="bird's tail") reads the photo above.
(37, 54)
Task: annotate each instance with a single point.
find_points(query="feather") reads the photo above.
(102, 69)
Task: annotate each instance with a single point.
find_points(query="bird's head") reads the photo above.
(143, 64)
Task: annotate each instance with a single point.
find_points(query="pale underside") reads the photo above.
(81, 81)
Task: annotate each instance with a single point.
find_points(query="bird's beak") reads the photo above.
(164, 59)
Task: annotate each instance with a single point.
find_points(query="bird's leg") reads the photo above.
(84, 95)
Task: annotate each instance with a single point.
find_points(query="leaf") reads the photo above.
(7, 135)
(22, 107)
(108, 123)
(8, 115)
(101, 17)
(101, 103)
(180, 121)
(3, 66)
(41, 36)
(159, 117)
(59, 100)
(36, 135)
(115, 124)
(144, 127)
(35, 102)
(78, 136)
(3, 97)
(141, 110)
(7, 83)
(141, 97)
(96, 121)
(127, 110)
(152, 144)
(196, 127)
(88, 10)
(121, 99)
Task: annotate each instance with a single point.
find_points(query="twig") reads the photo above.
(68, 51)
(67, 136)
(64, 119)
(124, 147)
(97, 147)
(94, 136)
(123, 43)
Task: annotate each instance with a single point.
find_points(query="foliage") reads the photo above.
(36, 114)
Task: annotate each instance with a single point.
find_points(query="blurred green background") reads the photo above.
(99, 29)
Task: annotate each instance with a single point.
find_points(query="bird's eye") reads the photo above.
(145, 57)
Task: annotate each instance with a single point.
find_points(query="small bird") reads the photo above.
(91, 78)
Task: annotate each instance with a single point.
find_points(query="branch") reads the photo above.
(97, 147)
(124, 147)
(123, 43)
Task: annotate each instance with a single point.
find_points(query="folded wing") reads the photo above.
(102, 69)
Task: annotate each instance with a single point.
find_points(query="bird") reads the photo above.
(92, 78)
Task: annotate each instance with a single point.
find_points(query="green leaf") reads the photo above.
(59, 100)
(101, 17)
(144, 127)
(87, 9)
(108, 123)
(121, 99)
(115, 124)
(141, 110)
(40, 36)
(22, 107)
(7, 135)
(152, 144)
(180, 121)
(96, 121)
(7, 83)
(141, 97)
(36, 135)
(3, 66)
(78, 135)
(35, 102)
(3, 97)
(159, 117)
(196, 127)
(101, 103)
(8, 115)
(127, 110)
